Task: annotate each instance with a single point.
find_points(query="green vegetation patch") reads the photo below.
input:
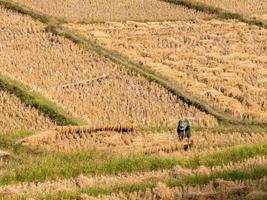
(195, 180)
(30, 12)
(62, 165)
(54, 165)
(218, 12)
(233, 175)
(233, 154)
(43, 105)
(8, 140)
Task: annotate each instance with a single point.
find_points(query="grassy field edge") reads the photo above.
(11, 5)
(56, 165)
(220, 13)
(193, 180)
(34, 99)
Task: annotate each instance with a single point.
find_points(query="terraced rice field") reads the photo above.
(251, 8)
(14, 115)
(81, 182)
(221, 62)
(80, 81)
(214, 190)
(134, 142)
(127, 146)
(103, 10)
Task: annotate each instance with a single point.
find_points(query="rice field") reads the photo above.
(14, 115)
(250, 8)
(82, 182)
(127, 146)
(103, 10)
(214, 190)
(80, 81)
(72, 139)
(220, 62)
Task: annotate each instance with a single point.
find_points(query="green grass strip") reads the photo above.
(231, 128)
(33, 99)
(232, 175)
(220, 13)
(233, 154)
(8, 140)
(46, 19)
(92, 191)
(51, 166)
(194, 180)
(61, 165)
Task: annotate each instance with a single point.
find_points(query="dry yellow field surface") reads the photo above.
(14, 115)
(221, 62)
(103, 10)
(116, 101)
(250, 8)
(87, 85)
(165, 144)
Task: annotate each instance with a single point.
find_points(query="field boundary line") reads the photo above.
(38, 101)
(54, 26)
(218, 12)
(37, 15)
(87, 22)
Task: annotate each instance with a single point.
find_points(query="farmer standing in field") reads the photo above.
(184, 130)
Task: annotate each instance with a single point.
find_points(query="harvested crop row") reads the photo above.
(250, 163)
(52, 187)
(82, 182)
(218, 189)
(251, 8)
(87, 85)
(14, 115)
(138, 142)
(221, 62)
(103, 10)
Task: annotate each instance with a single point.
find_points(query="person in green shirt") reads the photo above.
(184, 129)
